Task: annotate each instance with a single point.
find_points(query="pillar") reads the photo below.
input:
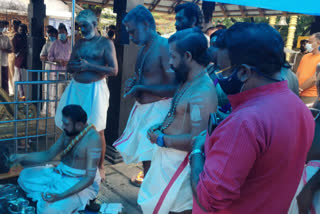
(119, 108)
(291, 33)
(36, 16)
(272, 20)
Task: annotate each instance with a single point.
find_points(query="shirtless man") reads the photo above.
(195, 99)
(150, 86)
(93, 58)
(67, 187)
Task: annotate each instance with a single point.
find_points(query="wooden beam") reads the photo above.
(261, 12)
(221, 5)
(154, 4)
(241, 8)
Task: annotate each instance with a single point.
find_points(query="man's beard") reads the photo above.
(71, 134)
(181, 72)
(184, 26)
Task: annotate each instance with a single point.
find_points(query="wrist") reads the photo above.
(196, 152)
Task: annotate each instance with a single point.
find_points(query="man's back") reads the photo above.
(267, 151)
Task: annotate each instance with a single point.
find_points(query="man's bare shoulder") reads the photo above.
(93, 138)
(205, 89)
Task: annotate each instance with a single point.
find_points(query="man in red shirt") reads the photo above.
(253, 161)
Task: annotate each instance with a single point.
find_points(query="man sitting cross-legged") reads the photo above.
(67, 187)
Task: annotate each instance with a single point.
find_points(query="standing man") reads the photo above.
(307, 70)
(151, 86)
(296, 58)
(20, 48)
(252, 162)
(52, 36)
(93, 59)
(11, 57)
(166, 188)
(5, 49)
(188, 15)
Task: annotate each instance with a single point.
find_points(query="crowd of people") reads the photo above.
(220, 120)
(13, 55)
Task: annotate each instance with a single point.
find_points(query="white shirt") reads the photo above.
(4, 44)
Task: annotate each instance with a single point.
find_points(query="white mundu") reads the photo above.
(133, 145)
(167, 184)
(37, 180)
(92, 97)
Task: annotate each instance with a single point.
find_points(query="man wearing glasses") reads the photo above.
(252, 162)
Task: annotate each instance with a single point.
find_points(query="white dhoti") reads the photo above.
(310, 170)
(133, 145)
(167, 184)
(45, 179)
(92, 97)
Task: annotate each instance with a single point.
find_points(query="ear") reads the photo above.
(188, 56)
(244, 73)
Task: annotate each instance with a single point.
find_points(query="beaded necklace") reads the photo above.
(77, 139)
(140, 70)
(175, 101)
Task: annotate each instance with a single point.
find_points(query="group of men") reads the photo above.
(13, 55)
(251, 162)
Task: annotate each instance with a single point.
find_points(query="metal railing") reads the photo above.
(32, 127)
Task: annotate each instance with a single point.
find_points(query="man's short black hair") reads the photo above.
(221, 26)
(258, 45)
(76, 113)
(52, 31)
(191, 10)
(62, 27)
(24, 28)
(192, 40)
(303, 41)
(112, 27)
(16, 22)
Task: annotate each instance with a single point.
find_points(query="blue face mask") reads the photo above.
(52, 38)
(231, 84)
(62, 36)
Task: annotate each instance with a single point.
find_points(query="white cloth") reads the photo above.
(20, 74)
(54, 93)
(5, 44)
(133, 145)
(92, 97)
(309, 170)
(45, 179)
(45, 49)
(164, 165)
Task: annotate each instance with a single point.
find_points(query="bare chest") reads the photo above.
(91, 51)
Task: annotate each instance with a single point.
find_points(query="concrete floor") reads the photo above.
(117, 187)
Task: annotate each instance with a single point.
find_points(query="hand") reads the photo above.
(79, 65)
(153, 135)
(133, 91)
(64, 63)
(16, 158)
(198, 141)
(155, 127)
(130, 83)
(304, 199)
(51, 197)
(102, 172)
